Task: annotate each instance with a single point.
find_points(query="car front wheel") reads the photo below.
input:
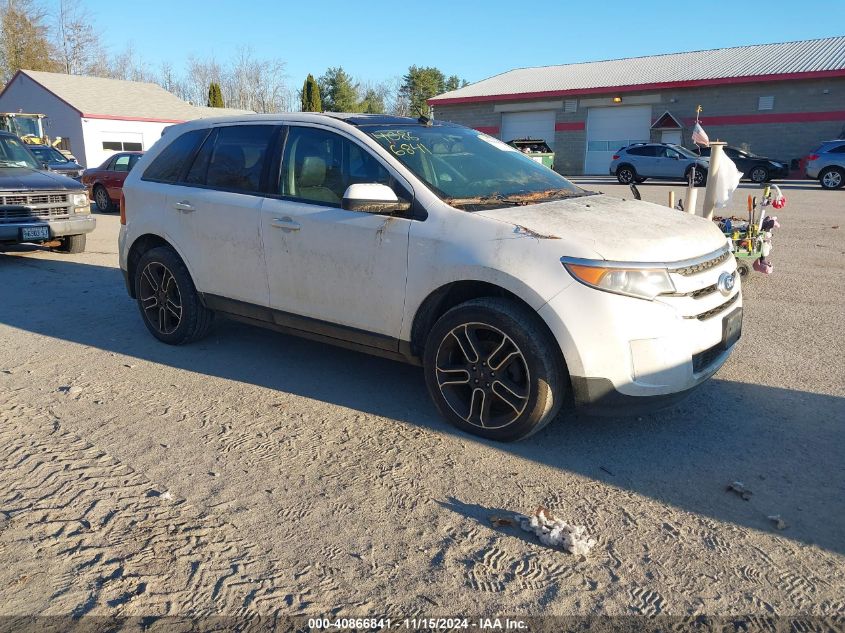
(167, 299)
(832, 178)
(493, 369)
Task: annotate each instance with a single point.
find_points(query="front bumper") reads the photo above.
(11, 232)
(625, 354)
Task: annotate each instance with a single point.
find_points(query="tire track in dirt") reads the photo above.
(109, 539)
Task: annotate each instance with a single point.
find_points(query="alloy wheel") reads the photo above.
(759, 174)
(160, 298)
(102, 199)
(832, 179)
(626, 176)
(483, 375)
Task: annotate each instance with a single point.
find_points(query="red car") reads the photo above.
(105, 182)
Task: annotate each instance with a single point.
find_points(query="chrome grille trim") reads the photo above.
(713, 312)
(35, 205)
(687, 268)
(682, 267)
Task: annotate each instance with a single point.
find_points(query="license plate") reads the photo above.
(34, 233)
(731, 328)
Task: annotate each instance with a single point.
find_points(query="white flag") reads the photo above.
(699, 136)
(726, 181)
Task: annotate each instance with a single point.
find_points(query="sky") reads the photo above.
(376, 40)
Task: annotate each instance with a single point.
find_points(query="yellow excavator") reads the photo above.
(30, 129)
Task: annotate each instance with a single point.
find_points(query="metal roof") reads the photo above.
(98, 97)
(821, 57)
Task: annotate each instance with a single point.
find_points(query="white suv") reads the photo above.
(434, 244)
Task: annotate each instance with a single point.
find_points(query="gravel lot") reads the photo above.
(255, 473)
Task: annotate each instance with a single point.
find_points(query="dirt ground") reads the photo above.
(256, 473)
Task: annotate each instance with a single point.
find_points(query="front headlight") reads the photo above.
(80, 200)
(643, 283)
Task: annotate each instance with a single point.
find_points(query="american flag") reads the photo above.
(699, 136)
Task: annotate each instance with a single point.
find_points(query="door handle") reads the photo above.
(184, 206)
(286, 224)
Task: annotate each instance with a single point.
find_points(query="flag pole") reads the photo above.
(692, 192)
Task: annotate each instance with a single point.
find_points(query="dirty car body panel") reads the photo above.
(308, 265)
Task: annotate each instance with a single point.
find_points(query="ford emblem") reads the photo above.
(726, 283)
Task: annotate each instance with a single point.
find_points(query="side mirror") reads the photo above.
(372, 198)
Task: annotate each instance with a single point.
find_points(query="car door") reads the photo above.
(218, 206)
(341, 268)
(117, 173)
(670, 163)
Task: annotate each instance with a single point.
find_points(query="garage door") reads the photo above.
(608, 129)
(538, 124)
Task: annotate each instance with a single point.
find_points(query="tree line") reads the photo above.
(65, 40)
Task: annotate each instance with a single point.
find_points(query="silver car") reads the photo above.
(665, 161)
(827, 164)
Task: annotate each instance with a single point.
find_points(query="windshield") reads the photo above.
(48, 154)
(468, 169)
(14, 154)
(685, 152)
(25, 126)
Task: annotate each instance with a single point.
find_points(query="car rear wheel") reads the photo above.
(169, 303)
(759, 175)
(700, 177)
(493, 369)
(72, 244)
(832, 178)
(101, 199)
(626, 175)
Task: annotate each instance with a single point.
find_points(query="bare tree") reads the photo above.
(256, 84)
(77, 43)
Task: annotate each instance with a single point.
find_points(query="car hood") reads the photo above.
(26, 179)
(616, 229)
(66, 166)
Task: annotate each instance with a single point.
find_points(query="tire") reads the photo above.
(101, 199)
(175, 315)
(72, 244)
(640, 180)
(832, 178)
(745, 269)
(700, 177)
(626, 174)
(528, 359)
(759, 175)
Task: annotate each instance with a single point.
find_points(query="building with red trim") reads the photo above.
(97, 117)
(778, 100)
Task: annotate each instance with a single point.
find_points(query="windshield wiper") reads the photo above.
(482, 200)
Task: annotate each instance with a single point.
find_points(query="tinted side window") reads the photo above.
(838, 150)
(318, 166)
(643, 150)
(238, 158)
(168, 166)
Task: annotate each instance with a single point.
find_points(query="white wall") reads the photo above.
(98, 131)
(25, 95)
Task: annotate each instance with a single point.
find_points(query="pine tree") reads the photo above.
(311, 95)
(338, 91)
(215, 96)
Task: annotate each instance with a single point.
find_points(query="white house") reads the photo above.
(100, 116)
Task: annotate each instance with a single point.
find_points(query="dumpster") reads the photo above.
(537, 149)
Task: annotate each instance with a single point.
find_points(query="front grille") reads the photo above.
(695, 294)
(699, 267)
(703, 360)
(40, 205)
(711, 313)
